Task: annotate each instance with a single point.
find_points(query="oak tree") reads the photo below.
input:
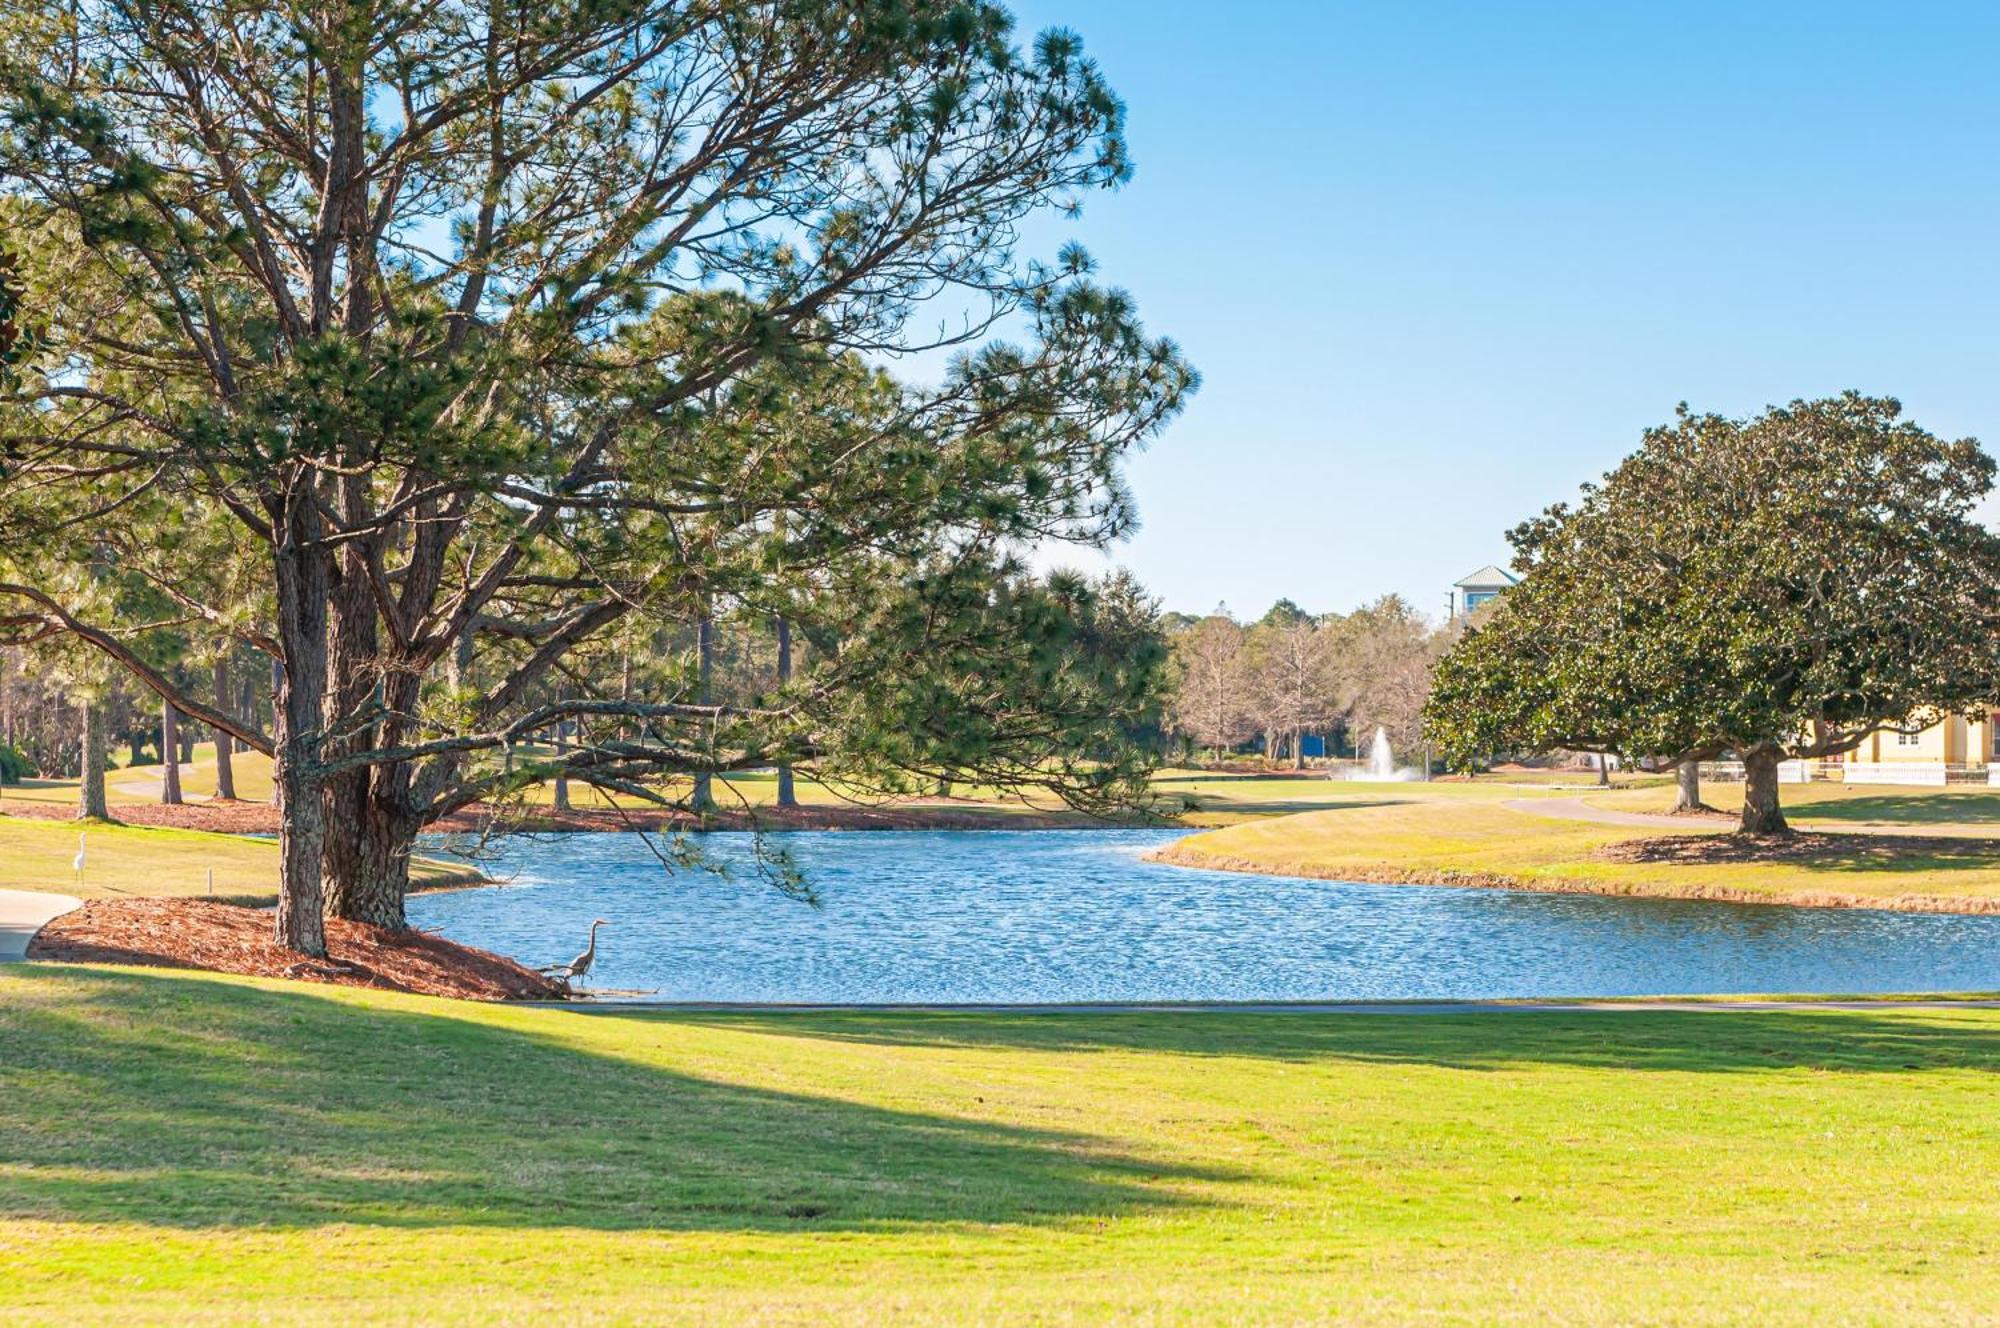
(1780, 587)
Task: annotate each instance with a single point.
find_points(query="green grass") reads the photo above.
(193, 1149)
(1975, 807)
(136, 860)
(1423, 833)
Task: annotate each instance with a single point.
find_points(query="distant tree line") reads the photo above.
(1291, 674)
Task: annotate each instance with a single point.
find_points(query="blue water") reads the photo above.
(1028, 916)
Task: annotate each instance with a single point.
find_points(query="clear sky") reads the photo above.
(1440, 263)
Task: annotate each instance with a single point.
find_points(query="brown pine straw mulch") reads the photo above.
(229, 818)
(227, 938)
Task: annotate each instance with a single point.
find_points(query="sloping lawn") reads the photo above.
(193, 1149)
(1974, 806)
(126, 860)
(1425, 838)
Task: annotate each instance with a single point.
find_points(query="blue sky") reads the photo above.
(1440, 263)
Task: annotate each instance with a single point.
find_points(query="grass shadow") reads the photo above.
(189, 1103)
(1928, 807)
(1847, 852)
(1721, 1040)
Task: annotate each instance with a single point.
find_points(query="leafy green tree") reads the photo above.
(482, 331)
(1779, 587)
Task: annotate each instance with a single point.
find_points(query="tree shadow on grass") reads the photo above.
(190, 1103)
(1818, 852)
(1720, 1040)
(1929, 806)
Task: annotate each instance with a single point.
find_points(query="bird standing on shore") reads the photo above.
(580, 965)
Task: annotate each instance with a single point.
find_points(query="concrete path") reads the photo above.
(22, 914)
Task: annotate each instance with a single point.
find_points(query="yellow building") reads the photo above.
(1953, 749)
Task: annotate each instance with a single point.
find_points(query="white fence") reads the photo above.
(1731, 772)
(1913, 774)
(1933, 774)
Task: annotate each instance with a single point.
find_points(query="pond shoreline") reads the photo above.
(1178, 855)
(256, 818)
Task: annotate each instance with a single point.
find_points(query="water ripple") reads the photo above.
(1028, 916)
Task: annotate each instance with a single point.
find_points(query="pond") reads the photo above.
(1067, 915)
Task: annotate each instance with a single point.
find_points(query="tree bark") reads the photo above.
(1687, 787)
(704, 786)
(562, 750)
(1762, 814)
(225, 771)
(367, 857)
(91, 805)
(1603, 769)
(302, 609)
(787, 794)
(277, 718)
(1298, 749)
(170, 755)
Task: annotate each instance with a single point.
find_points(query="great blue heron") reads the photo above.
(580, 965)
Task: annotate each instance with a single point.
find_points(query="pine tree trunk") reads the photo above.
(225, 771)
(1687, 786)
(170, 755)
(367, 856)
(562, 750)
(277, 719)
(1603, 769)
(787, 795)
(365, 860)
(704, 788)
(1762, 814)
(91, 805)
(302, 608)
(1298, 749)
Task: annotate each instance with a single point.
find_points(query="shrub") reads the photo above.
(14, 767)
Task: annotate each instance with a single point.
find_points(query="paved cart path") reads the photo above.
(22, 914)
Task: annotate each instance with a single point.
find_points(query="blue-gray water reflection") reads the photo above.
(1028, 916)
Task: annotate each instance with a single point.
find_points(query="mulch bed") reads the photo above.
(229, 818)
(227, 938)
(1857, 851)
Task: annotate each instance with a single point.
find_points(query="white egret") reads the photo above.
(76, 863)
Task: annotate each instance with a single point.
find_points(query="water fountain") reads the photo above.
(1381, 765)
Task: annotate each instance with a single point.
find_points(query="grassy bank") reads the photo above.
(1472, 838)
(341, 1155)
(135, 860)
(1973, 808)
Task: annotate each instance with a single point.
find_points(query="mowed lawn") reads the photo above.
(1973, 808)
(124, 861)
(1466, 834)
(196, 1149)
